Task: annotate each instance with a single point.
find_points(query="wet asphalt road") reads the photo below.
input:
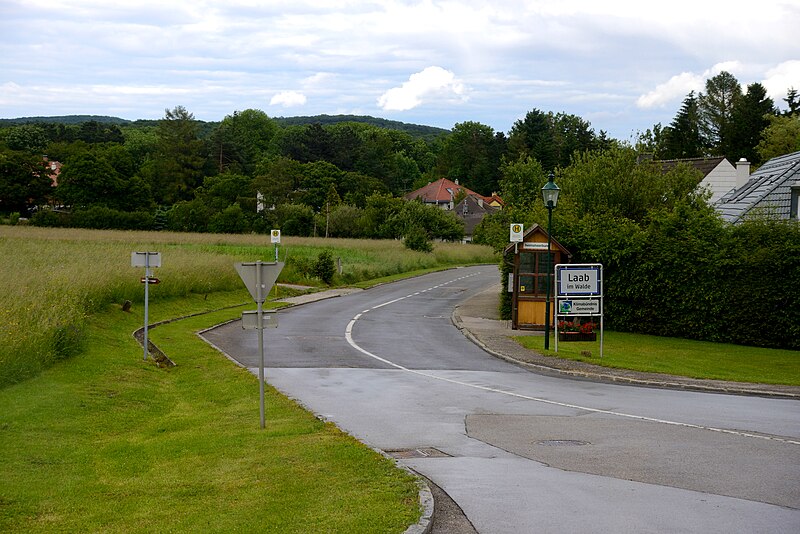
(521, 452)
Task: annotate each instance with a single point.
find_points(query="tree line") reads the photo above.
(726, 121)
(250, 172)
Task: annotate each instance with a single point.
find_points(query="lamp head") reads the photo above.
(550, 193)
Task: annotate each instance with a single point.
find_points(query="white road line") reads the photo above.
(349, 337)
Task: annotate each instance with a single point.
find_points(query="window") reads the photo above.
(533, 273)
(795, 212)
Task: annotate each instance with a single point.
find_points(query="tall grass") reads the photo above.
(53, 279)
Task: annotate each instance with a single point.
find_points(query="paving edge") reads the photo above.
(604, 374)
(425, 523)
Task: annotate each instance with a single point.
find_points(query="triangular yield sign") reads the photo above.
(248, 272)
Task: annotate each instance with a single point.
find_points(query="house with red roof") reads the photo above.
(443, 193)
(471, 206)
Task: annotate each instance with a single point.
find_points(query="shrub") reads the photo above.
(416, 238)
(324, 267)
(231, 220)
(50, 219)
(102, 218)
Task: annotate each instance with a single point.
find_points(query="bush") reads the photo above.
(324, 267)
(102, 218)
(416, 238)
(683, 273)
(295, 219)
(189, 216)
(231, 220)
(50, 219)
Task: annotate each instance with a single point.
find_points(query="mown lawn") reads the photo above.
(104, 441)
(681, 357)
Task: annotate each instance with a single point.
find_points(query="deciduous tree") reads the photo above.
(24, 182)
(472, 154)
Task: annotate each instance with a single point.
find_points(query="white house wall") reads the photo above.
(720, 180)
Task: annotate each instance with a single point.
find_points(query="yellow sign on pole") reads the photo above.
(516, 233)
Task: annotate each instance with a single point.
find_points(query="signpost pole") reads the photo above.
(260, 313)
(258, 277)
(146, 300)
(602, 310)
(556, 324)
(549, 271)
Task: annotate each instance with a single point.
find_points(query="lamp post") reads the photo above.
(550, 194)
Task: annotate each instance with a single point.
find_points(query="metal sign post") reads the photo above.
(275, 237)
(146, 260)
(579, 292)
(259, 277)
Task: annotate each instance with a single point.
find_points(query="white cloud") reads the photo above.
(780, 79)
(288, 99)
(431, 82)
(677, 87)
(626, 64)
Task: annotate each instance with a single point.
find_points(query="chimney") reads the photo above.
(742, 172)
(480, 201)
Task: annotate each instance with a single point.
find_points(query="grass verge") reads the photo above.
(55, 278)
(106, 442)
(680, 357)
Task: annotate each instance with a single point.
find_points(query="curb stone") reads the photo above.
(493, 343)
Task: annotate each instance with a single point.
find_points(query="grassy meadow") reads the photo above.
(54, 279)
(92, 438)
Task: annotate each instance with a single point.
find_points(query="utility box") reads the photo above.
(528, 284)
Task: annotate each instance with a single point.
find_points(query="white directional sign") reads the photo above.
(148, 260)
(145, 259)
(269, 319)
(263, 272)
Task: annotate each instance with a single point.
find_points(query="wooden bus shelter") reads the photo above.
(531, 269)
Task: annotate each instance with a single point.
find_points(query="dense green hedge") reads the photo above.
(95, 217)
(685, 273)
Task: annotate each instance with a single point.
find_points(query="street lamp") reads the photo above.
(550, 194)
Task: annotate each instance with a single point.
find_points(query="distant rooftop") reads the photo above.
(768, 191)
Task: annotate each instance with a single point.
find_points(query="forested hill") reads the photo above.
(65, 119)
(415, 130)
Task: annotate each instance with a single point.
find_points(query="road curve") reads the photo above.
(519, 451)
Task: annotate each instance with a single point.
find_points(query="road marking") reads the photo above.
(349, 337)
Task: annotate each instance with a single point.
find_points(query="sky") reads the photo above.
(622, 65)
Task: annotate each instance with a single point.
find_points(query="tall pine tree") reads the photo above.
(749, 118)
(682, 139)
